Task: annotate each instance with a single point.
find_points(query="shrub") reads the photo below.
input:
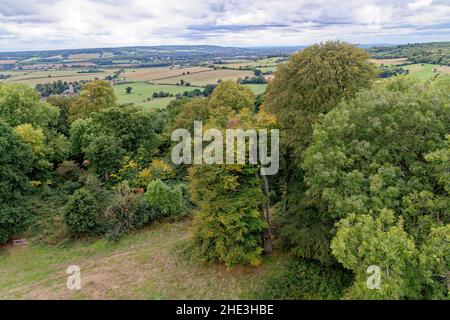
(166, 199)
(69, 170)
(81, 212)
(306, 280)
(128, 211)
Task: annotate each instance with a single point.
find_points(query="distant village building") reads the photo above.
(69, 92)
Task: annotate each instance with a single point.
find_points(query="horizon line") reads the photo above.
(221, 46)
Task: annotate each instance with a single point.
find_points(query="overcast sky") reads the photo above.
(57, 24)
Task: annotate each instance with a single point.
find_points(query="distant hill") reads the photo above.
(138, 56)
(435, 53)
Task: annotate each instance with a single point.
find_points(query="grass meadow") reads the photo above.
(148, 264)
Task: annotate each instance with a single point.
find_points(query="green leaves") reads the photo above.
(407, 270)
(378, 163)
(168, 200)
(82, 212)
(314, 81)
(20, 104)
(16, 162)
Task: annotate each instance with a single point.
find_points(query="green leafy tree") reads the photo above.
(20, 104)
(81, 213)
(64, 104)
(232, 95)
(378, 165)
(105, 152)
(133, 126)
(34, 137)
(313, 82)
(369, 154)
(194, 110)
(16, 162)
(82, 132)
(230, 223)
(407, 270)
(94, 97)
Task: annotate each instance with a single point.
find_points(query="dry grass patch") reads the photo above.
(443, 69)
(7, 61)
(389, 62)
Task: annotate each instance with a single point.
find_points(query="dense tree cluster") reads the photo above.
(390, 71)
(58, 88)
(365, 170)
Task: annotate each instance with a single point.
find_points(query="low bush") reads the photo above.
(81, 213)
(128, 211)
(168, 200)
(306, 280)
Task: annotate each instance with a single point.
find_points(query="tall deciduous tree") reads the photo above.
(230, 221)
(313, 82)
(16, 161)
(20, 104)
(378, 165)
(94, 97)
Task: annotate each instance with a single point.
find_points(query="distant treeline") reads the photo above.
(390, 71)
(206, 92)
(252, 80)
(435, 53)
(58, 87)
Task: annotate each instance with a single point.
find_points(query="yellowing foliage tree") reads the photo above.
(94, 97)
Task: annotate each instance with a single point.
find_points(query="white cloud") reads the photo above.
(41, 24)
(419, 4)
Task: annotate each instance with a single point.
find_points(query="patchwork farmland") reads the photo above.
(210, 76)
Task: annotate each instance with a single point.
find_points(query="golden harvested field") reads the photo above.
(208, 77)
(89, 76)
(34, 77)
(7, 61)
(250, 64)
(389, 62)
(158, 73)
(443, 69)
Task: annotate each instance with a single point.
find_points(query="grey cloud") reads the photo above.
(49, 23)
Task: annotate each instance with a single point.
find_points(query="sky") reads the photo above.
(69, 24)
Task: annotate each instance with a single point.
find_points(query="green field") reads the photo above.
(257, 88)
(421, 71)
(142, 91)
(148, 264)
